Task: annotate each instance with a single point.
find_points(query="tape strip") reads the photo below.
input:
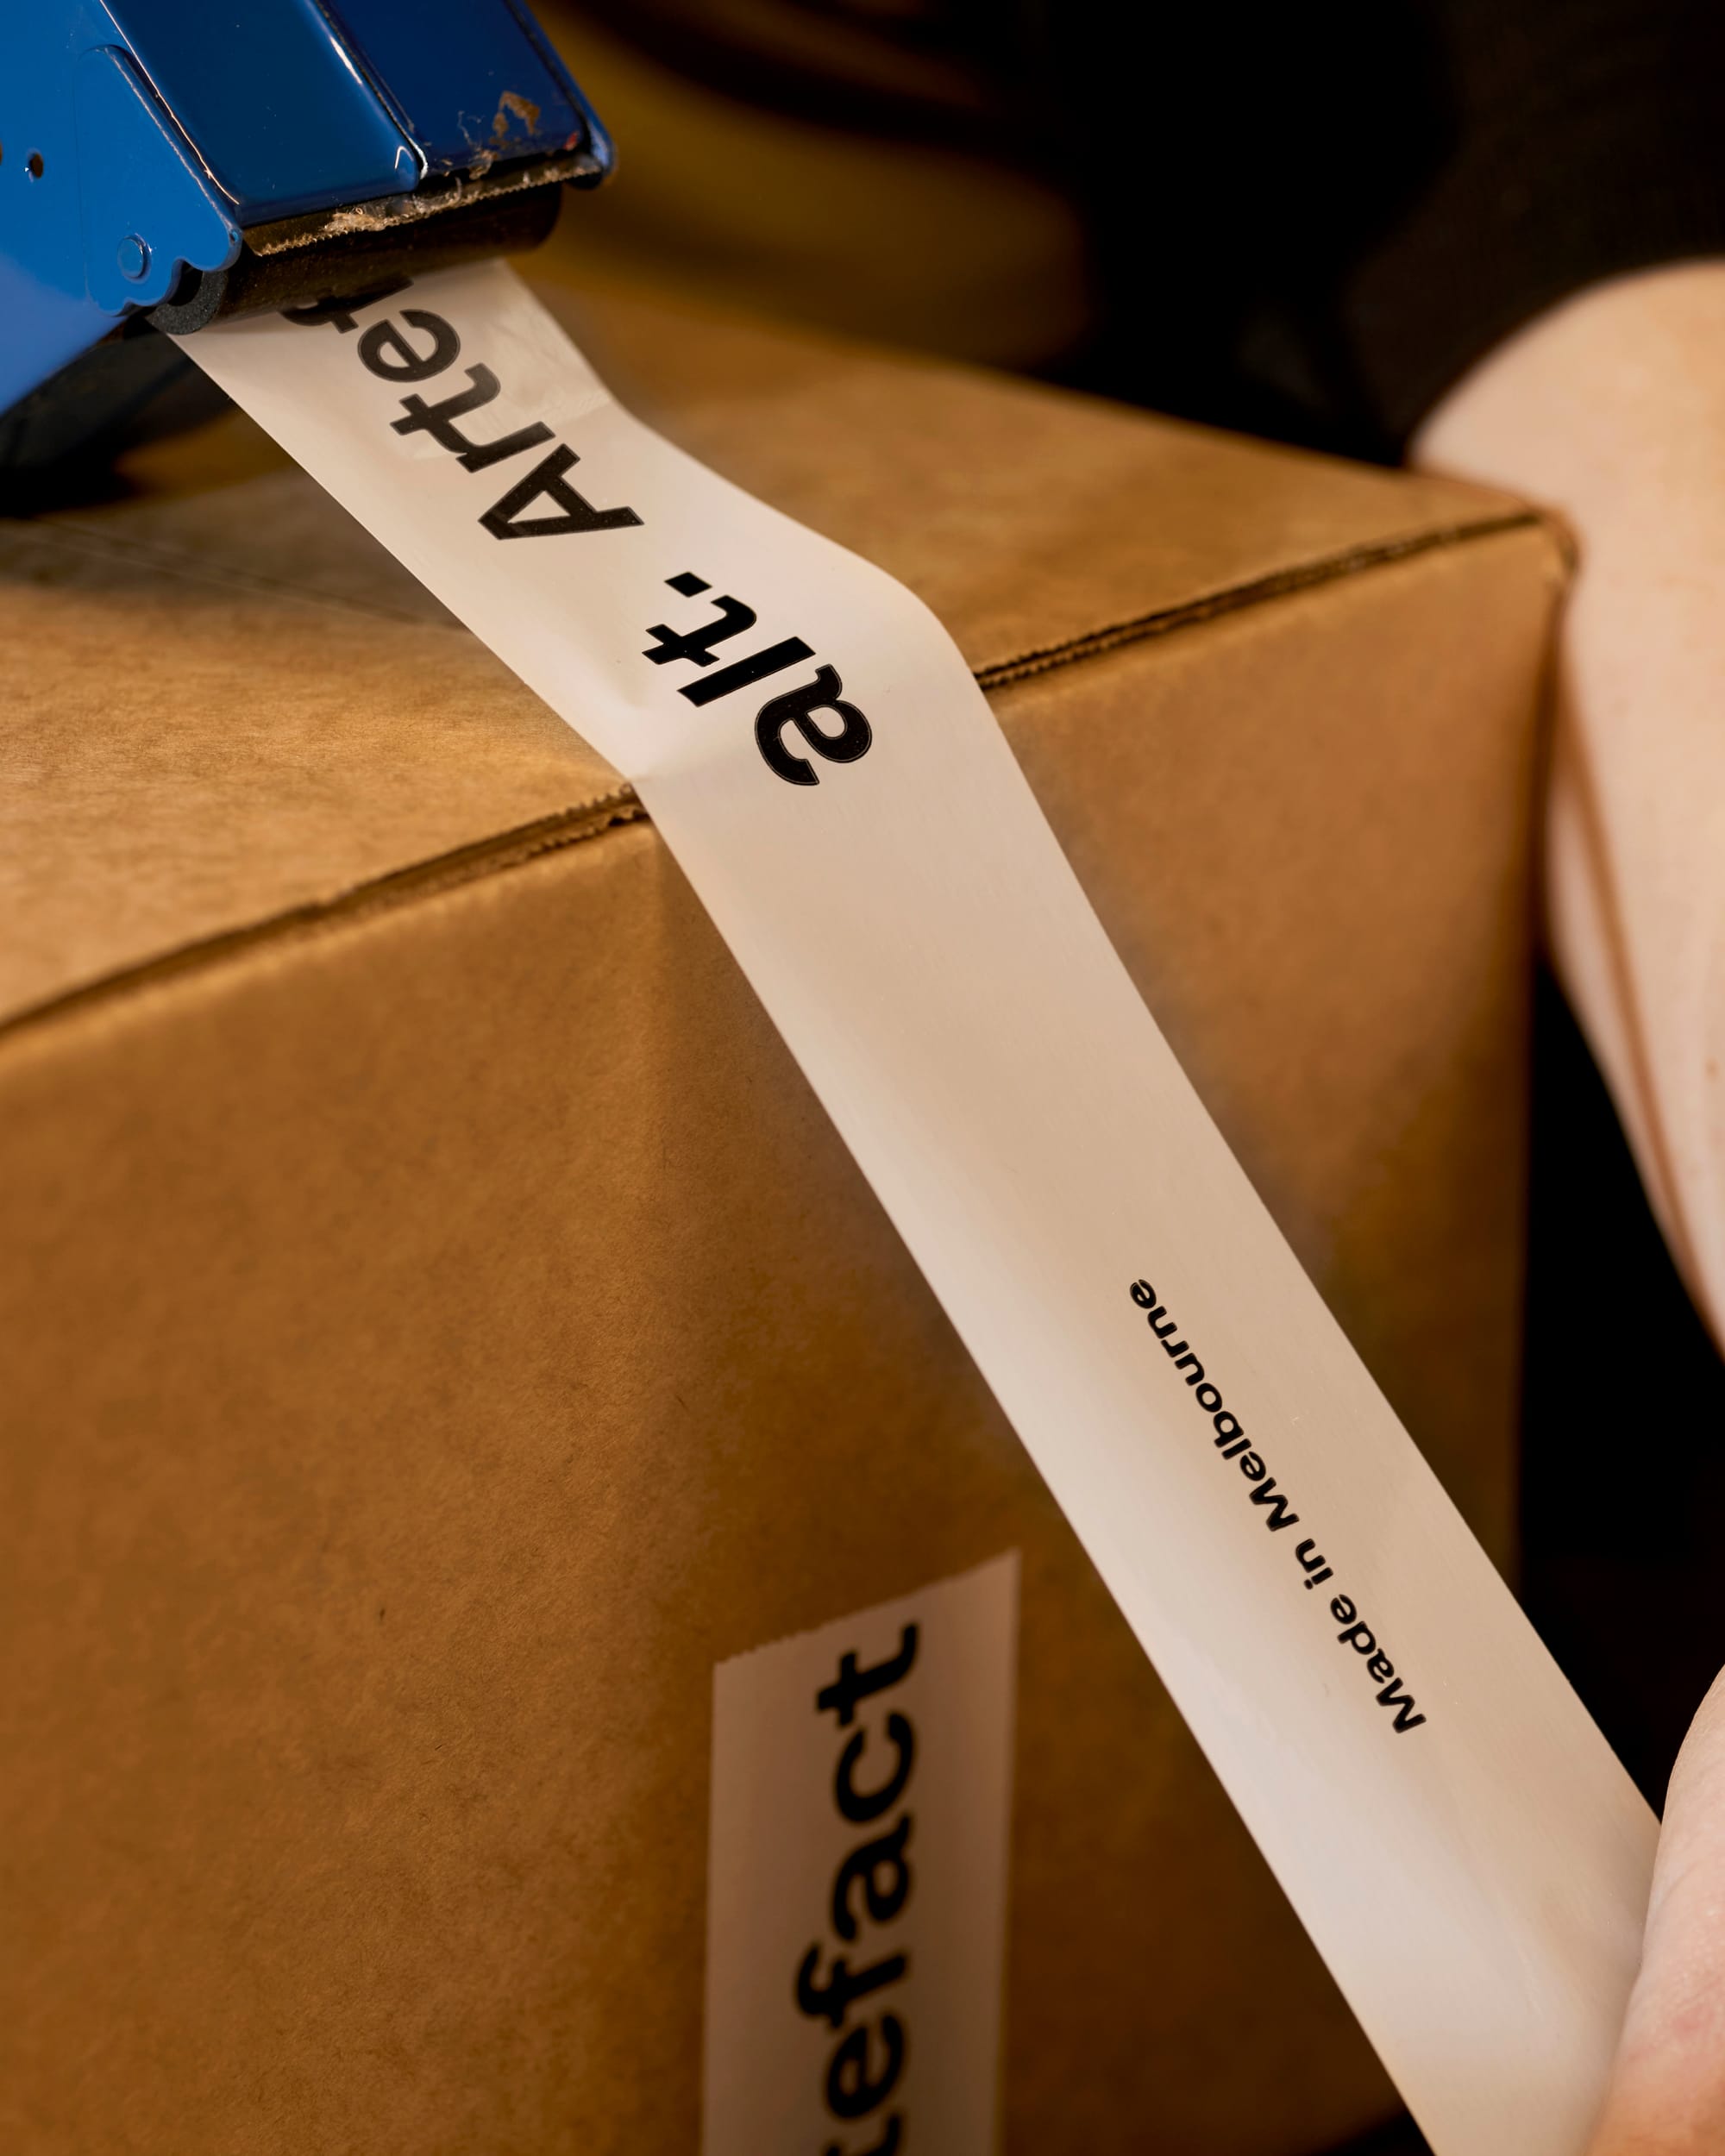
(857, 1880)
(1471, 1859)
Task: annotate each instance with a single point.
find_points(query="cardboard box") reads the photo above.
(440, 1326)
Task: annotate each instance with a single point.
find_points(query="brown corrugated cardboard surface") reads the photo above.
(440, 1325)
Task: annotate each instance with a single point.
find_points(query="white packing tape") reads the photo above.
(1470, 1858)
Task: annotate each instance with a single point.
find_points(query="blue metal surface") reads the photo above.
(470, 83)
(88, 161)
(270, 94)
(146, 208)
(138, 137)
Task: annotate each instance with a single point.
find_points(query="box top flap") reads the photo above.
(224, 704)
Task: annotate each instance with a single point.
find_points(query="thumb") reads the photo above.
(1667, 2092)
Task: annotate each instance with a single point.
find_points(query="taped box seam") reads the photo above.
(992, 673)
(502, 851)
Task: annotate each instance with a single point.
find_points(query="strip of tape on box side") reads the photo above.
(857, 1879)
(1470, 1858)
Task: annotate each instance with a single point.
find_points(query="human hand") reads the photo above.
(1611, 409)
(1667, 2092)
